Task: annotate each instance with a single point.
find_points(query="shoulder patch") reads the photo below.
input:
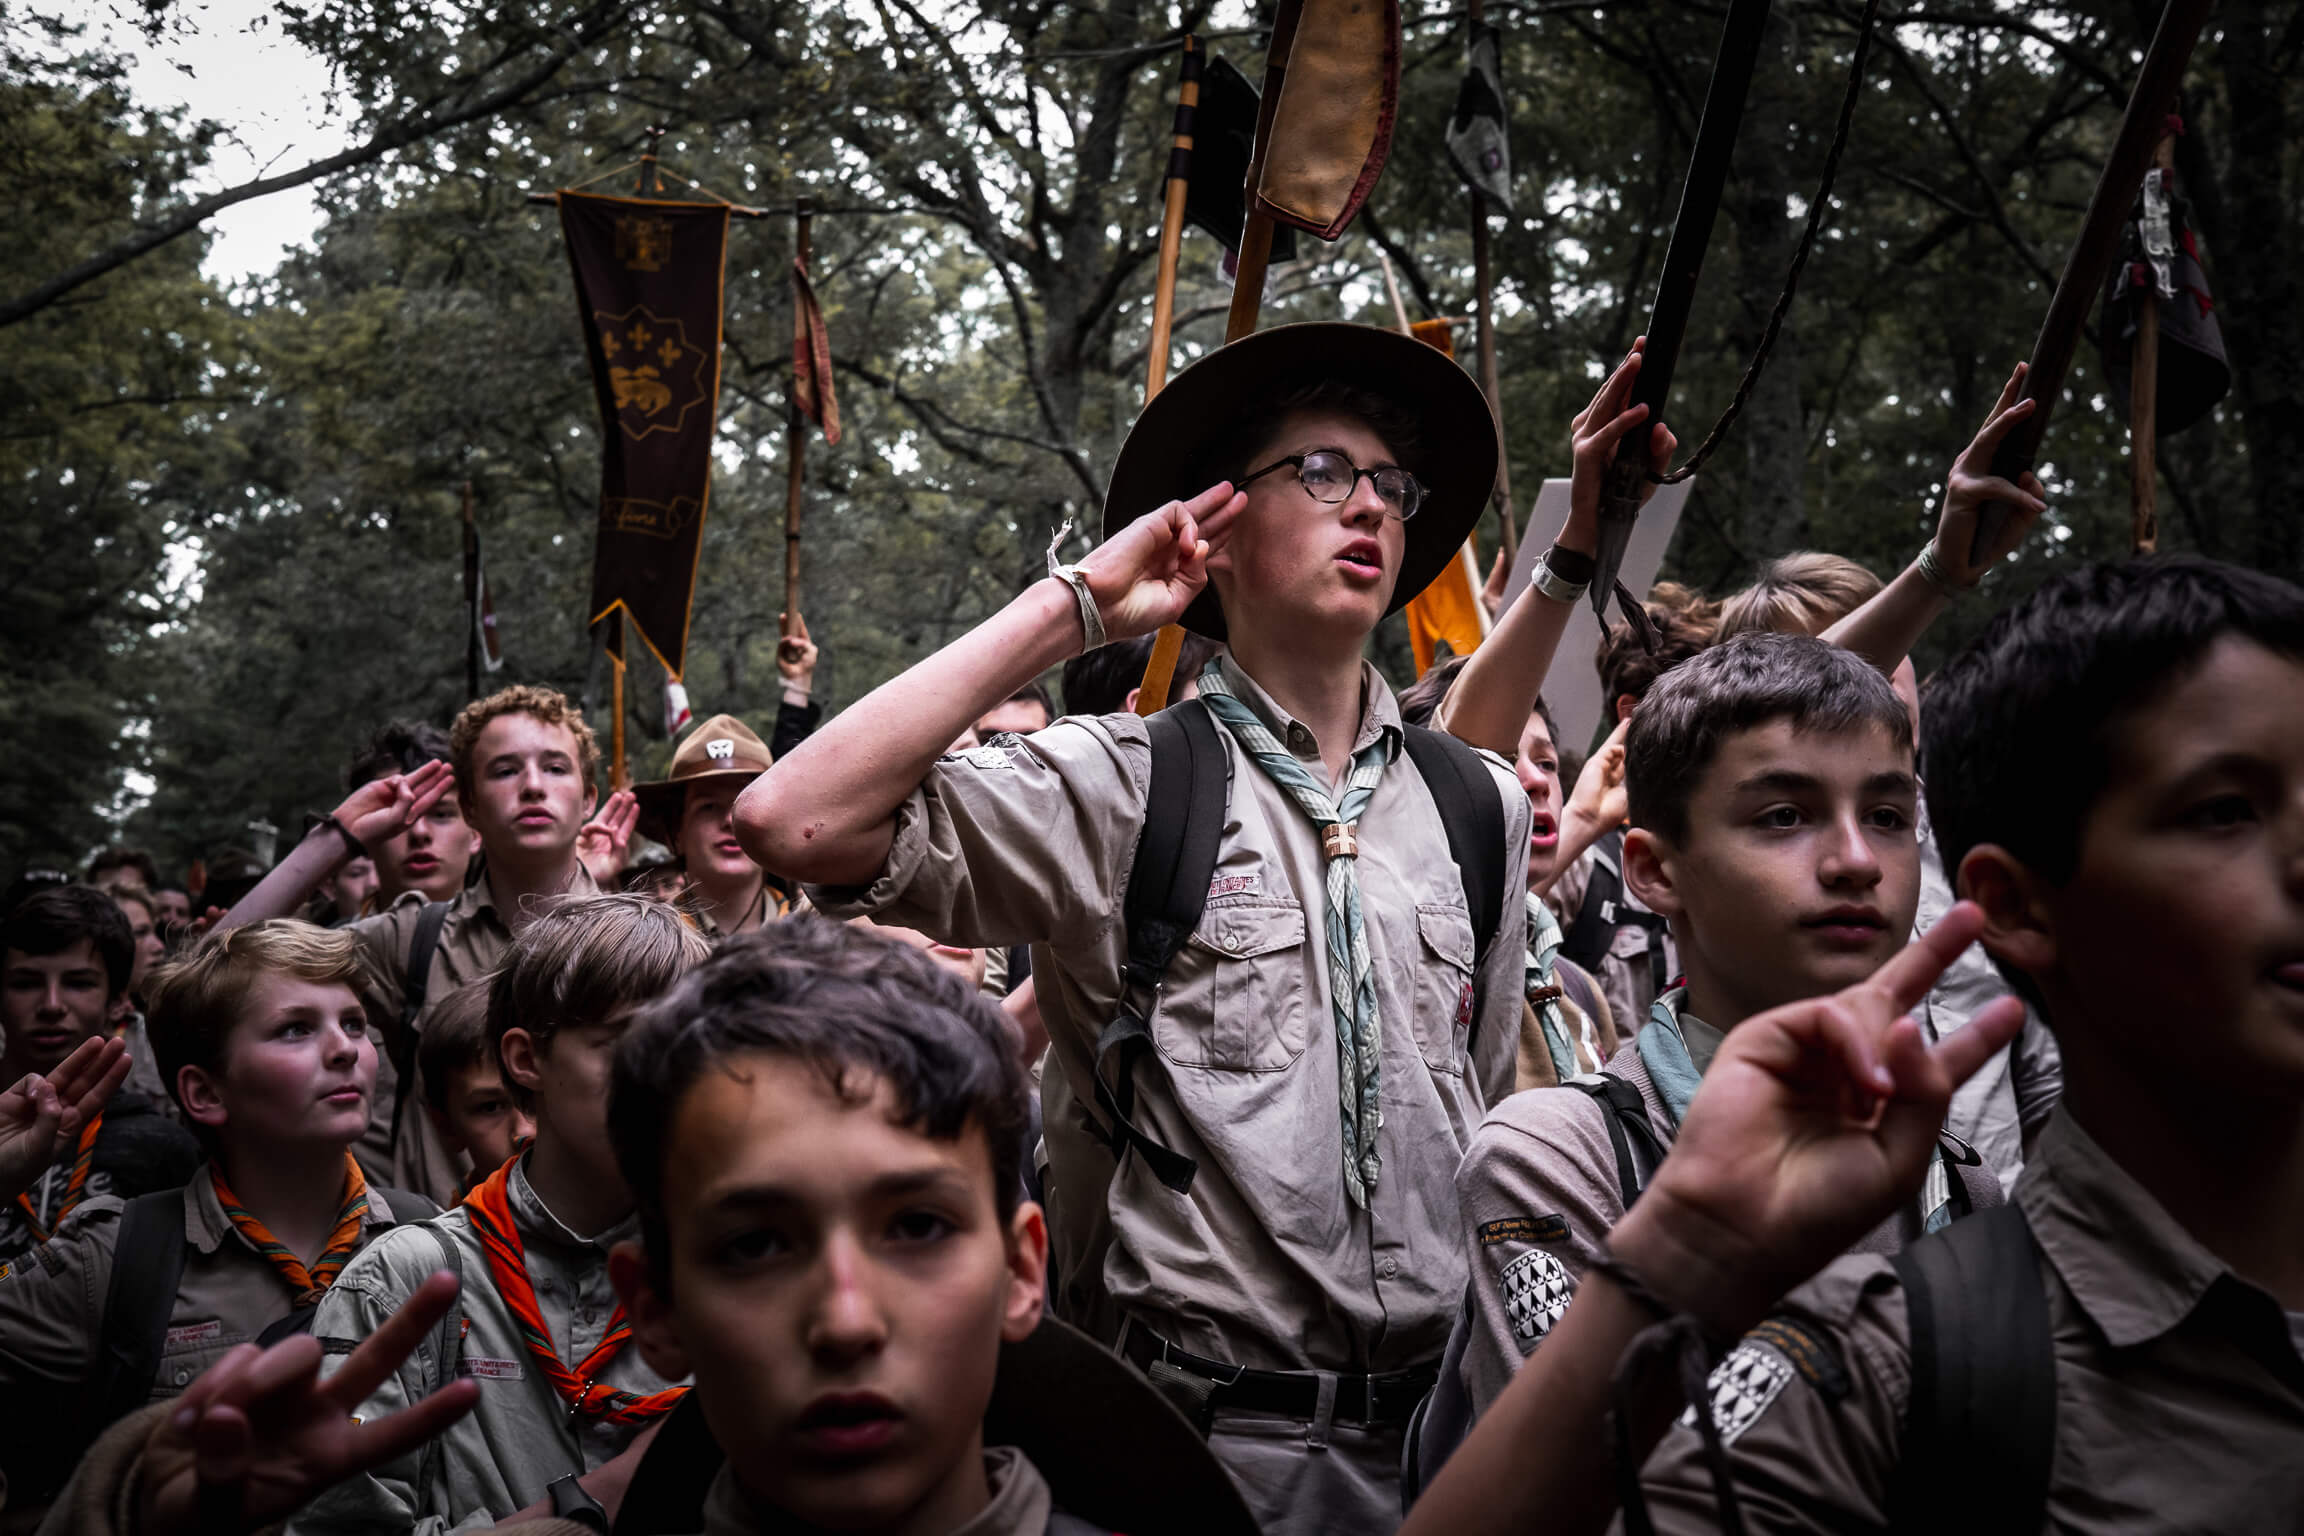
(1742, 1386)
(1537, 1289)
(988, 757)
(1524, 1229)
(6, 1270)
(1813, 1355)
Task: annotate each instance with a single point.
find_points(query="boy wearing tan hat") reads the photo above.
(690, 811)
(1253, 1198)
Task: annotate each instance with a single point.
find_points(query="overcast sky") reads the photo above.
(229, 62)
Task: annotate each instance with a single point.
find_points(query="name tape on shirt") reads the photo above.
(1524, 1229)
(492, 1370)
(193, 1333)
(1234, 885)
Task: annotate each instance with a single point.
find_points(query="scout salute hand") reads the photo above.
(1814, 1121)
(377, 810)
(39, 1115)
(607, 837)
(818, 816)
(260, 1433)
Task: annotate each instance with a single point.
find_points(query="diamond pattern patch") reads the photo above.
(1743, 1385)
(1536, 1292)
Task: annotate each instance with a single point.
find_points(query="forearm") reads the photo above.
(1884, 630)
(283, 892)
(1493, 696)
(827, 813)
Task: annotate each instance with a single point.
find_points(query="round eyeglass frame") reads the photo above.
(1412, 502)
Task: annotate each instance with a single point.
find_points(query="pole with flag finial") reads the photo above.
(1160, 670)
(795, 451)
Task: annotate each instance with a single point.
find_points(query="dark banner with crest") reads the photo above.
(648, 284)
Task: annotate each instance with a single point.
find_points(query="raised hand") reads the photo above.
(604, 840)
(1149, 572)
(1814, 1120)
(796, 655)
(1598, 428)
(41, 1115)
(259, 1434)
(383, 808)
(1599, 799)
(1971, 486)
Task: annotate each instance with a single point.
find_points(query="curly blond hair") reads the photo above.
(549, 705)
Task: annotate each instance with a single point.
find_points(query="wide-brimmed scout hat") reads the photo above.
(1165, 456)
(1115, 1452)
(723, 747)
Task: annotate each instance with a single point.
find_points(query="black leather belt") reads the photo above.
(1388, 1397)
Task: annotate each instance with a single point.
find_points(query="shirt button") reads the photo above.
(183, 1377)
(1388, 1268)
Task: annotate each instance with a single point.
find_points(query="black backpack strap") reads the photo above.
(1980, 1427)
(1638, 1151)
(1176, 857)
(147, 1268)
(1469, 808)
(415, 988)
(1588, 937)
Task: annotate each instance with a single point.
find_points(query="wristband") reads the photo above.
(1555, 584)
(352, 845)
(1091, 618)
(1932, 572)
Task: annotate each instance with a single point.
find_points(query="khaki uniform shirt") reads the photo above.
(1264, 1262)
(503, 1455)
(1541, 1192)
(2179, 1385)
(472, 943)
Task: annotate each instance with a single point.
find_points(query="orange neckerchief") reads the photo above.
(491, 1209)
(343, 1242)
(74, 1188)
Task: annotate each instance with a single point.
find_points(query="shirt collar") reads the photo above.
(1020, 1501)
(206, 1226)
(2134, 1270)
(535, 1219)
(480, 896)
(1379, 711)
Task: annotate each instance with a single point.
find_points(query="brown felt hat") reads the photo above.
(723, 747)
(1165, 456)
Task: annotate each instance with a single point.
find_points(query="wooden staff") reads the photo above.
(1168, 645)
(617, 777)
(2144, 403)
(2093, 253)
(795, 459)
(471, 601)
(1484, 284)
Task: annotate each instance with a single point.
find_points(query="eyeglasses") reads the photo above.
(1332, 478)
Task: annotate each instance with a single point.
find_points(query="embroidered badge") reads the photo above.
(1233, 885)
(1536, 1292)
(720, 749)
(494, 1370)
(1524, 1229)
(1743, 1385)
(193, 1333)
(6, 1270)
(1464, 1006)
(987, 757)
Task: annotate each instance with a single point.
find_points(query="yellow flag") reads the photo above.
(1450, 609)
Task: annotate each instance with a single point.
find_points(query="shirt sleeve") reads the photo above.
(2036, 1071)
(1496, 1044)
(795, 723)
(51, 1310)
(1811, 1407)
(1025, 841)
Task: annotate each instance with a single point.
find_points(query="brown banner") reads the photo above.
(648, 285)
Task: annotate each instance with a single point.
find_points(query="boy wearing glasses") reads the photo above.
(1324, 1044)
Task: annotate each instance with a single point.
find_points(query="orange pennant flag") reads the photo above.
(812, 358)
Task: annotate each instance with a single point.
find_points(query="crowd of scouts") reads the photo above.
(1843, 1104)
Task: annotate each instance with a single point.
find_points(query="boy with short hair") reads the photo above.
(464, 1094)
(1772, 802)
(520, 764)
(262, 1038)
(433, 853)
(1105, 681)
(562, 1395)
(66, 955)
(2116, 771)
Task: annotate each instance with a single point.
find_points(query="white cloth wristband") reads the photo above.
(1091, 618)
(1541, 577)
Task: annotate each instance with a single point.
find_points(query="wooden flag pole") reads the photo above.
(2144, 405)
(1168, 645)
(1484, 285)
(795, 461)
(471, 601)
(618, 778)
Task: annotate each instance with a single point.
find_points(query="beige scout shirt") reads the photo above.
(1263, 1262)
(1541, 1192)
(472, 944)
(2179, 1385)
(521, 1438)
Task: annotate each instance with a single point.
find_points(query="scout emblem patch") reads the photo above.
(1536, 1293)
(720, 749)
(1743, 1385)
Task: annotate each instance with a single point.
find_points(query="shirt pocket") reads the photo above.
(188, 1350)
(1235, 997)
(1444, 998)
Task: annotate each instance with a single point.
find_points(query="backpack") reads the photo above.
(1176, 857)
(1603, 911)
(147, 1271)
(415, 988)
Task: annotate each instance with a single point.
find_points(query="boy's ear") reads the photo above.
(1648, 872)
(1027, 1272)
(1625, 704)
(197, 1088)
(649, 1311)
(517, 1053)
(2018, 926)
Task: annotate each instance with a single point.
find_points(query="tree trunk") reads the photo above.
(1775, 514)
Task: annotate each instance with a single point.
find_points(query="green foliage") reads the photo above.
(239, 545)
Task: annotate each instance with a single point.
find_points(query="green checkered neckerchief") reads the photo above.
(1351, 974)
